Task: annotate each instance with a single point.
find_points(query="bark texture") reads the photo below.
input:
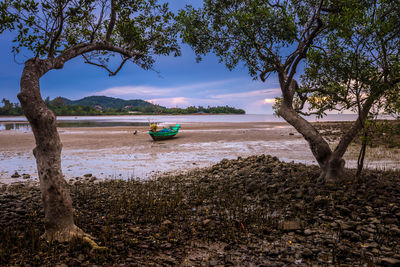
(59, 222)
(331, 164)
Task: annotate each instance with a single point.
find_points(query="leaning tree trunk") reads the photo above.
(332, 167)
(331, 164)
(59, 222)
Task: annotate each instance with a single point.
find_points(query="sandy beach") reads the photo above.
(115, 152)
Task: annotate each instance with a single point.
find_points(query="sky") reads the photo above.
(177, 82)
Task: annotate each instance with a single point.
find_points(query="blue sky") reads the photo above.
(180, 82)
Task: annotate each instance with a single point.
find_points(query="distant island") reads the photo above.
(104, 105)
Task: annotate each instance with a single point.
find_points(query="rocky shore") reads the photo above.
(254, 211)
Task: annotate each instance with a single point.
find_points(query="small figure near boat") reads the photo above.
(163, 134)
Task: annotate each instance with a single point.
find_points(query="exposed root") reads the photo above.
(93, 244)
(68, 234)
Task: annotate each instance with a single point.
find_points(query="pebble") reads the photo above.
(390, 262)
(15, 175)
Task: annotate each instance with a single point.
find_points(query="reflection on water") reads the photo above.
(14, 126)
(24, 126)
(20, 123)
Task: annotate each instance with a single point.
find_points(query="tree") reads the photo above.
(56, 31)
(275, 37)
(7, 105)
(355, 67)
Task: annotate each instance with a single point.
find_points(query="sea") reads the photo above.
(21, 123)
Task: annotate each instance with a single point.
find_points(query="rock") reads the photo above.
(321, 201)
(291, 133)
(15, 175)
(166, 222)
(88, 175)
(390, 221)
(81, 257)
(351, 235)
(26, 176)
(308, 232)
(253, 186)
(134, 229)
(307, 253)
(390, 262)
(374, 221)
(343, 210)
(206, 221)
(394, 229)
(370, 245)
(290, 226)
(348, 225)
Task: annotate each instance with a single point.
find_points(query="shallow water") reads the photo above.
(20, 123)
(144, 161)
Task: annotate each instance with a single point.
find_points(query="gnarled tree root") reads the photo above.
(68, 234)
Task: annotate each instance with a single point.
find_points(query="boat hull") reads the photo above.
(158, 138)
(163, 135)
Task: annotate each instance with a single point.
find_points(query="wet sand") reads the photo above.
(115, 152)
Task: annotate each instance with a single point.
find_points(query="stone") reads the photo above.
(206, 221)
(348, 225)
(166, 222)
(307, 253)
(26, 176)
(321, 201)
(343, 210)
(375, 221)
(88, 175)
(253, 186)
(351, 235)
(308, 232)
(394, 229)
(390, 221)
(15, 175)
(290, 225)
(134, 229)
(390, 262)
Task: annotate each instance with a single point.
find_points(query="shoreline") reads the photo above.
(115, 153)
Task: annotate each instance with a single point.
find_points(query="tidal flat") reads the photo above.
(116, 153)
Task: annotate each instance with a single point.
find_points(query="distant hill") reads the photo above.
(105, 102)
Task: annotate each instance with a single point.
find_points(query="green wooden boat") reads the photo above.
(165, 133)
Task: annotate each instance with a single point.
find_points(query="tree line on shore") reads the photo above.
(61, 109)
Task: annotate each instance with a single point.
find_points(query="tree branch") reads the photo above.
(59, 31)
(348, 137)
(112, 21)
(111, 73)
(96, 28)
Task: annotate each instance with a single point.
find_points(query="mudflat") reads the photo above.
(116, 152)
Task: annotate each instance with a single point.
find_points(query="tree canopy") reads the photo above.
(357, 63)
(95, 29)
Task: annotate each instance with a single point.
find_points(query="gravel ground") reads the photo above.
(254, 211)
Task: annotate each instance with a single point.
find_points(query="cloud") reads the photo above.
(251, 94)
(146, 91)
(183, 102)
(141, 90)
(269, 101)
